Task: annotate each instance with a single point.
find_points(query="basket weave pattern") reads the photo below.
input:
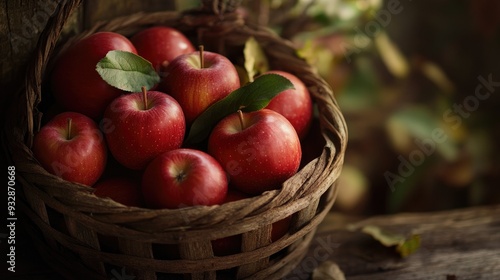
(78, 251)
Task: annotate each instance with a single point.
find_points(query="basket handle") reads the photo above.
(219, 7)
(44, 48)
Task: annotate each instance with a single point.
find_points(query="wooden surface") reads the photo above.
(463, 243)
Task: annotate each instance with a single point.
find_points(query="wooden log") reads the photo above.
(21, 23)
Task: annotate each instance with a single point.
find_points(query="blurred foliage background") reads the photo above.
(418, 83)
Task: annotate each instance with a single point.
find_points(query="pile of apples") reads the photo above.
(131, 147)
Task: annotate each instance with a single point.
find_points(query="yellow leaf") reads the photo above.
(392, 56)
(432, 71)
(404, 245)
(409, 246)
(255, 59)
(328, 270)
(387, 239)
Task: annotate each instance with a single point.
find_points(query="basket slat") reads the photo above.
(253, 240)
(38, 206)
(139, 249)
(86, 236)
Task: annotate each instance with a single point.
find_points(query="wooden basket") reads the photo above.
(81, 250)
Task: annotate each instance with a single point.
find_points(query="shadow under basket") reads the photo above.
(82, 236)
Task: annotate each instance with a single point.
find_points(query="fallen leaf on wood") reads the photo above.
(409, 246)
(404, 245)
(328, 271)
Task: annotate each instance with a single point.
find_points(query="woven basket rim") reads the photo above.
(22, 130)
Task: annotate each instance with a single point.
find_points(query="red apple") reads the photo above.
(140, 126)
(234, 195)
(280, 228)
(75, 83)
(184, 177)
(313, 143)
(259, 150)
(115, 169)
(197, 84)
(121, 189)
(161, 44)
(294, 104)
(72, 147)
(227, 246)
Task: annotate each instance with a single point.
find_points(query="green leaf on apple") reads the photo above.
(251, 97)
(127, 71)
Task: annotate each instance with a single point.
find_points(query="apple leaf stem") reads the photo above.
(202, 60)
(68, 134)
(242, 121)
(145, 97)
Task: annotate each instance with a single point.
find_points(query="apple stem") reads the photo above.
(164, 64)
(145, 97)
(181, 176)
(242, 121)
(68, 135)
(202, 60)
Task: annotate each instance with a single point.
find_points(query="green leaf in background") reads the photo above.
(183, 5)
(251, 97)
(361, 90)
(401, 192)
(404, 246)
(255, 60)
(418, 122)
(322, 58)
(127, 71)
